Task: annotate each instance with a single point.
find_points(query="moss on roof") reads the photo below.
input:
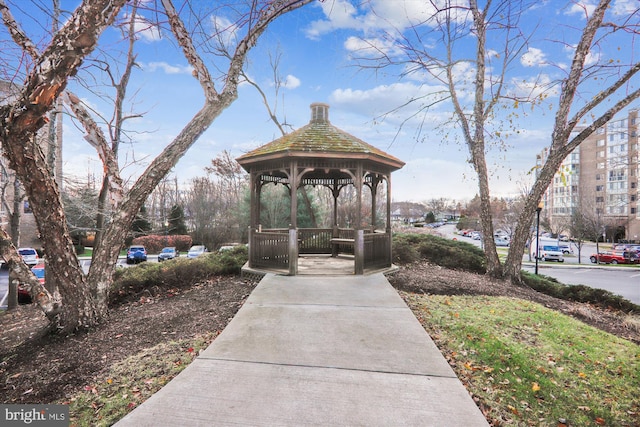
(320, 138)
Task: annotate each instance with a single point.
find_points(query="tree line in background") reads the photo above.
(214, 209)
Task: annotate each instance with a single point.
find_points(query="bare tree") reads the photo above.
(598, 109)
(496, 33)
(82, 300)
(213, 203)
(438, 205)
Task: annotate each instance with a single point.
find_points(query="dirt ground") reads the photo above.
(37, 368)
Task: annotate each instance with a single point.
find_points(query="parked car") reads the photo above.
(551, 253)
(501, 240)
(136, 254)
(38, 271)
(168, 253)
(634, 249)
(615, 257)
(196, 251)
(23, 294)
(29, 256)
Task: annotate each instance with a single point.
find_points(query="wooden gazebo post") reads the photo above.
(293, 226)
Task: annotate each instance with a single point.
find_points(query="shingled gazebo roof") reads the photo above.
(319, 139)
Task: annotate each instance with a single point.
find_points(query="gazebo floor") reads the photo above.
(326, 265)
(318, 265)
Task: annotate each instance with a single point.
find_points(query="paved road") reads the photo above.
(622, 281)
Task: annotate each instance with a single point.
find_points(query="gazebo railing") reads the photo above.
(377, 250)
(314, 241)
(271, 249)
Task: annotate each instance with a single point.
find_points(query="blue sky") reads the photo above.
(317, 44)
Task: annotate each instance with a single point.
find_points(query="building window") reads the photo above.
(599, 199)
(601, 153)
(633, 210)
(634, 184)
(598, 177)
(600, 165)
(600, 143)
(599, 187)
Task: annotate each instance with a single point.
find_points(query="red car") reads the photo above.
(615, 258)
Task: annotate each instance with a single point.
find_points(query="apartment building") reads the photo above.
(14, 206)
(600, 176)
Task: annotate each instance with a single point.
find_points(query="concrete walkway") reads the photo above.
(316, 351)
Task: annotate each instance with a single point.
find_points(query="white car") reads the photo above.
(196, 251)
(29, 256)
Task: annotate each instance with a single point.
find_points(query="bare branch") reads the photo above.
(570, 85)
(596, 100)
(190, 53)
(18, 35)
(98, 140)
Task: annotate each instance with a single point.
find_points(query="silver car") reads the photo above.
(196, 251)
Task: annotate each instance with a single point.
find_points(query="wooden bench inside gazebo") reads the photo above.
(320, 154)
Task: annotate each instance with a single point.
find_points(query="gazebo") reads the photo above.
(320, 154)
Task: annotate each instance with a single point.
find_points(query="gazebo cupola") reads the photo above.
(320, 154)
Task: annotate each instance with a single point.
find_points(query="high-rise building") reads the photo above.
(600, 177)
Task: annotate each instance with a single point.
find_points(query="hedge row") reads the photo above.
(155, 243)
(410, 247)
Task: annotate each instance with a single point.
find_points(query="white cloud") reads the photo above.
(592, 58)
(225, 31)
(291, 82)
(168, 68)
(371, 47)
(582, 9)
(533, 87)
(385, 98)
(625, 7)
(146, 30)
(534, 57)
(341, 14)
(381, 15)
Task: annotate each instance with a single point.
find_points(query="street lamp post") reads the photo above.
(537, 255)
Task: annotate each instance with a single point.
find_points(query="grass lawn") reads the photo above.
(530, 365)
